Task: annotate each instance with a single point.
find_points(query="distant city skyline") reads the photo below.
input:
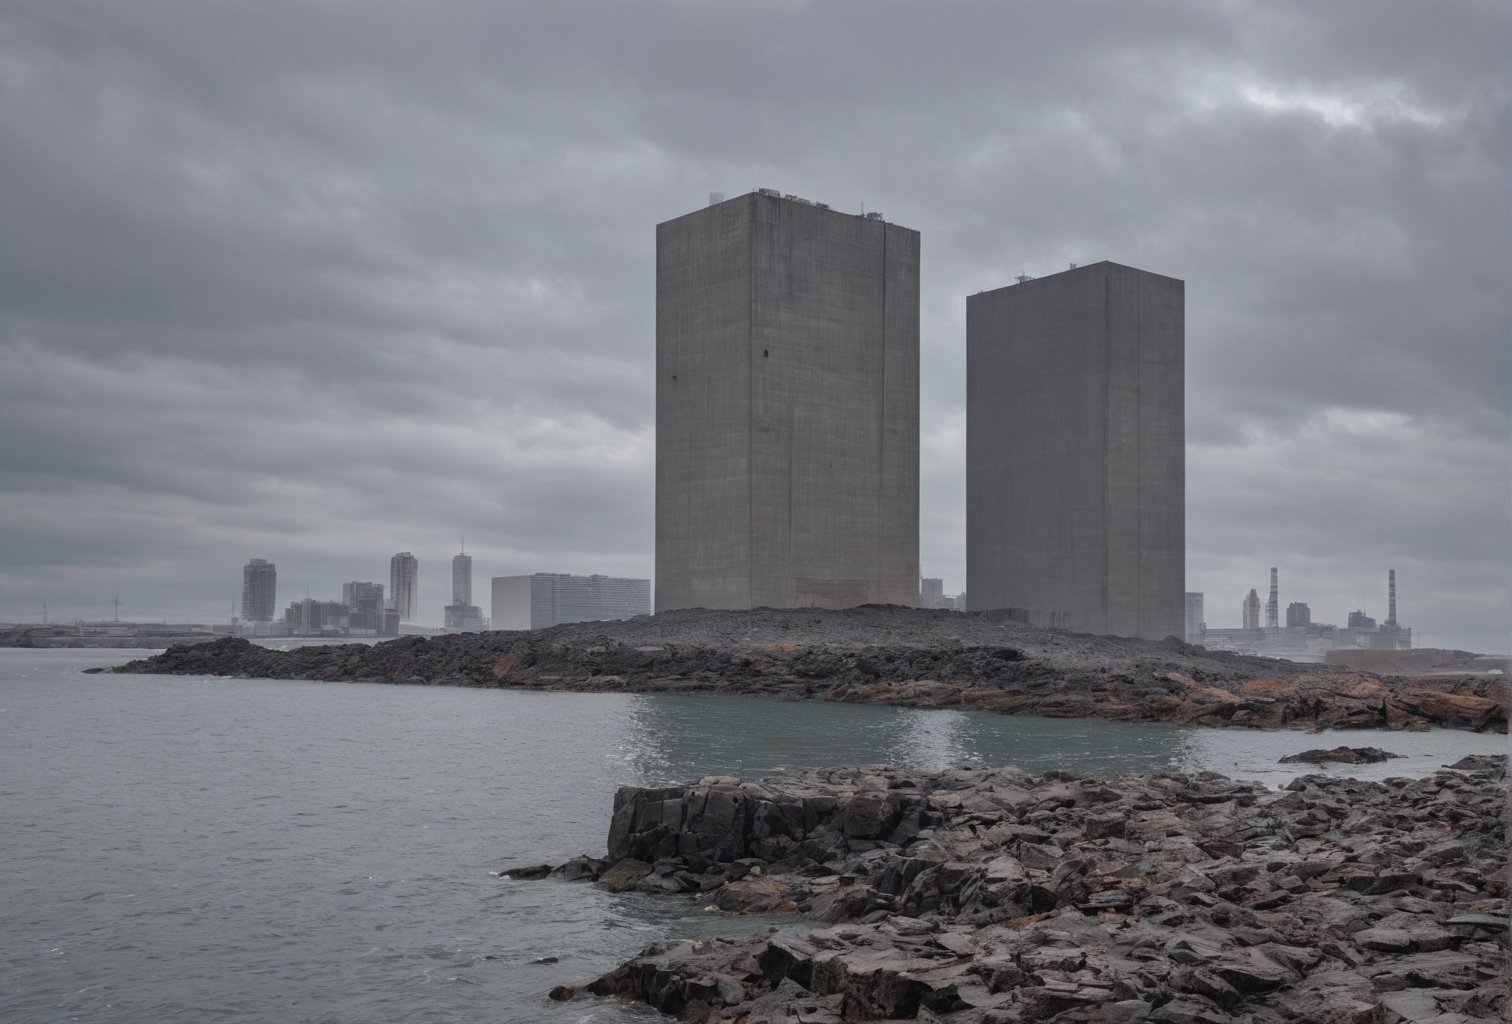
(284, 296)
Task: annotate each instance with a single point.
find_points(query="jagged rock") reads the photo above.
(624, 874)
(755, 896)
(1222, 901)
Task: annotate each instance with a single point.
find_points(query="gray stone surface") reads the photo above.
(1075, 451)
(787, 408)
(923, 896)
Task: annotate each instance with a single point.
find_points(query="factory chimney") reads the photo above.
(1273, 606)
(1391, 597)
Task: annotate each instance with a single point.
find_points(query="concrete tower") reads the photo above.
(404, 571)
(1075, 451)
(787, 407)
(259, 590)
(1273, 603)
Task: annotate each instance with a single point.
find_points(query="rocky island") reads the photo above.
(990, 897)
(888, 655)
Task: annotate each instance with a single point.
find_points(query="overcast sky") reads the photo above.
(318, 282)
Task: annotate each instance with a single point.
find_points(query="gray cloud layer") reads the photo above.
(319, 282)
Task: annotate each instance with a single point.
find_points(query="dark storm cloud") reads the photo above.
(319, 282)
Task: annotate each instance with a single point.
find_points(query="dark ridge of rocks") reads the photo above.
(1340, 755)
(887, 655)
(990, 897)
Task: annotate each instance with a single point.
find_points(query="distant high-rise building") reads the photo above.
(1075, 451)
(358, 593)
(1192, 621)
(1298, 614)
(404, 571)
(1273, 603)
(308, 616)
(259, 590)
(465, 617)
(931, 593)
(1251, 611)
(366, 602)
(787, 407)
(461, 579)
(1359, 620)
(550, 599)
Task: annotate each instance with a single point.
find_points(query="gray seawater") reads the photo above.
(181, 849)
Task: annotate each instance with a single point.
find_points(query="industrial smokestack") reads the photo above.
(1273, 606)
(1391, 597)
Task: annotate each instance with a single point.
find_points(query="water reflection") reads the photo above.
(674, 738)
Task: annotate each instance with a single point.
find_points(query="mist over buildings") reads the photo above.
(284, 283)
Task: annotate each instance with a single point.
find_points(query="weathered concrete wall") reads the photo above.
(787, 408)
(1075, 451)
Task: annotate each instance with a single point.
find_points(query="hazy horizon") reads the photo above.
(289, 283)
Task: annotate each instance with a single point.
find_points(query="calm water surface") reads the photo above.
(181, 849)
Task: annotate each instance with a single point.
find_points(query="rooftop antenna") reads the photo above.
(1022, 278)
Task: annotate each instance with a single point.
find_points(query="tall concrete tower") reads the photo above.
(1273, 603)
(259, 590)
(404, 571)
(787, 407)
(1075, 451)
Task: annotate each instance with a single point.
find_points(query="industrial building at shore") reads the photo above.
(1300, 639)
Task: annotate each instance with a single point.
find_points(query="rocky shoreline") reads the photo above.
(990, 897)
(884, 655)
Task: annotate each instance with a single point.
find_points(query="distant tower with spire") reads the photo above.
(462, 613)
(462, 576)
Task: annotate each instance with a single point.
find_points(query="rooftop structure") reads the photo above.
(787, 407)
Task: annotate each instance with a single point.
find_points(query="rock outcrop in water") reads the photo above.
(883, 655)
(992, 897)
(1340, 755)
